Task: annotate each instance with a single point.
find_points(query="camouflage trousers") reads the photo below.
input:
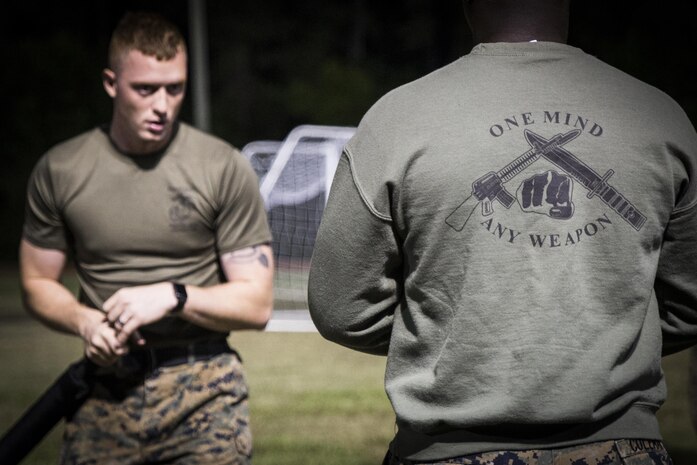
(192, 413)
(620, 452)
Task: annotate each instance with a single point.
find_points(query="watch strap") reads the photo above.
(180, 294)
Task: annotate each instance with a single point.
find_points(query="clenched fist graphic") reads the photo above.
(547, 193)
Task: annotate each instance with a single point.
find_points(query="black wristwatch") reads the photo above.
(180, 294)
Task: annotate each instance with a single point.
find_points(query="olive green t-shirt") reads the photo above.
(133, 220)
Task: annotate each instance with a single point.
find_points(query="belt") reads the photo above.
(158, 357)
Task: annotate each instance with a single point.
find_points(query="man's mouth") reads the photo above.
(156, 127)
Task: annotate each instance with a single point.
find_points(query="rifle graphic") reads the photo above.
(588, 178)
(490, 186)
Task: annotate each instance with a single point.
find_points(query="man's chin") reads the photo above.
(155, 135)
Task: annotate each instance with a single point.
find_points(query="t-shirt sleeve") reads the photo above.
(43, 223)
(241, 221)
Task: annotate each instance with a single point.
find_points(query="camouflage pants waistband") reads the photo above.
(617, 452)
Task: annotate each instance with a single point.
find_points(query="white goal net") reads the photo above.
(295, 176)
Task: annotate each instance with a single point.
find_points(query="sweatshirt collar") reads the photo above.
(523, 48)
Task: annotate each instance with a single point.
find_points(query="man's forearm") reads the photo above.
(229, 306)
(243, 302)
(54, 305)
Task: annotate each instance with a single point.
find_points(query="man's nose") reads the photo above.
(159, 103)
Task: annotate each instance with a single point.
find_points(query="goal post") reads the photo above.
(295, 177)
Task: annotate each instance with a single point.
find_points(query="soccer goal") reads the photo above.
(295, 176)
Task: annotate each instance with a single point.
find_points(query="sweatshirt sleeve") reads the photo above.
(676, 275)
(353, 283)
(676, 282)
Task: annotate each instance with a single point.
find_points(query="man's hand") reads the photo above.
(100, 339)
(132, 307)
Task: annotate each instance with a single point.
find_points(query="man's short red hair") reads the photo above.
(149, 33)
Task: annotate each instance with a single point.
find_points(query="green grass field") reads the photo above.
(312, 402)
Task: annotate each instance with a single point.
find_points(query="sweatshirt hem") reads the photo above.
(638, 422)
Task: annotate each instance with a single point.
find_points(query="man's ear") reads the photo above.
(109, 82)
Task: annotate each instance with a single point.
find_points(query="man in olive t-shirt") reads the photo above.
(169, 238)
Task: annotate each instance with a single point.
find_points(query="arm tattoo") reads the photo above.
(248, 255)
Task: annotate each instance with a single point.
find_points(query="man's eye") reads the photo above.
(145, 90)
(175, 89)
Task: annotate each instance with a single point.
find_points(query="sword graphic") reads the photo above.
(490, 186)
(597, 185)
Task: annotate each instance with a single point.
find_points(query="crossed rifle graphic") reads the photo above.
(490, 187)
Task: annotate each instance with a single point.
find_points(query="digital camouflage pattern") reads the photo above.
(622, 452)
(193, 413)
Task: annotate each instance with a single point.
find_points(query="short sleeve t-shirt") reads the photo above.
(133, 220)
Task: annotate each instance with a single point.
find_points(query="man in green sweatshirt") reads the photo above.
(516, 233)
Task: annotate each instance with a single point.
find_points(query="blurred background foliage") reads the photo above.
(276, 64)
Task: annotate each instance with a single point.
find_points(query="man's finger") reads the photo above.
(138, 338)
(114, 305)
(112, 346)
(120, 321)
(127, 330)
(115, 313)
(100, 357)
(109, 303)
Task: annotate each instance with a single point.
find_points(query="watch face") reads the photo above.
(180, 294)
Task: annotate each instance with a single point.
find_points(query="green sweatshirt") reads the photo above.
(514, 231)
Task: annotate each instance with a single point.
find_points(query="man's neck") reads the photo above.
(517, 21)
(130, 145)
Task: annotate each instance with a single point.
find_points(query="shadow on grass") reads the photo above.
(682, 456)
(282, 452)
